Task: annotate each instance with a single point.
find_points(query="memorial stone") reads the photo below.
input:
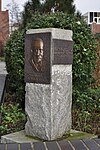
(48, 77)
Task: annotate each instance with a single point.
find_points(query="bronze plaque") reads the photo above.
(62, 51)
(37, 58)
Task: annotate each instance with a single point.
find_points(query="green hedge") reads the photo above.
(14, 57)
(84, 52)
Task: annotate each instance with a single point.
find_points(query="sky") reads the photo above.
(82, 5)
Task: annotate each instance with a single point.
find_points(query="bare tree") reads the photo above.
(15, 15)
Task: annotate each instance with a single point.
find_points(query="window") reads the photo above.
(98, 14)
(95, 19)
(91, 17)
(95, 14)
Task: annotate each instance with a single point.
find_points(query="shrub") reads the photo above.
(14, 58)
(84, 51)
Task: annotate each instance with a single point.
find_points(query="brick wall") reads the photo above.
(4, 28)
(97, 70)
(95, 28)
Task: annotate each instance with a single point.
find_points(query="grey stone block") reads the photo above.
(56, 33)
(48, 106)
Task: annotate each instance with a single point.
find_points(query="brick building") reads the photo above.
(93, 20)
(4, 27)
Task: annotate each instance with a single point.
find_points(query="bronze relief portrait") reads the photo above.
(37, 58)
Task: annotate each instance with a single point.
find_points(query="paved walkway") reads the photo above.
(86, 144)
(3, 68)
(3, 74)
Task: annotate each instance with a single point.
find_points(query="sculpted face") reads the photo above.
(38, 50)
(38, 54)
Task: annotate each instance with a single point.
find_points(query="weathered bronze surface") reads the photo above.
(37, 58)
(62, 51)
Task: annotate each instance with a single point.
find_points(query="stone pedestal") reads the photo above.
(48, 105)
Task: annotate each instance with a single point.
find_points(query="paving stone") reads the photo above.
(25, 146)
(2, 146)
(91, 144)
(78, 145)
(39, 146)
(65, 145)
(52, 146)
(12, 147)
